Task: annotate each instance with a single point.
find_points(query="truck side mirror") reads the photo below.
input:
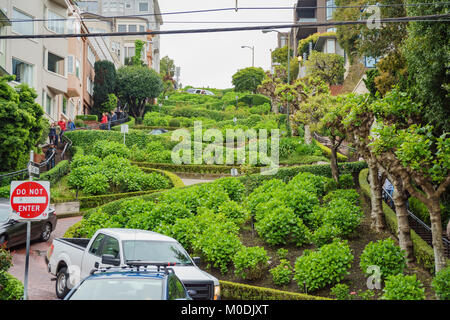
(196, 260)
(110, 259)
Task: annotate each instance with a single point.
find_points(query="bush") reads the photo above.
(87, 117)
(342, 214)
(174, 123)
(234, 212)
(441, 284)
(384, 254)
(282, 226)
(95, 184)
(282, 274)
(403, 287)
(326, 234)
(282, 253)
(299, 200)
(233, 187)
(105, 148)
(325, 266)
(341, 291)
(350, 195)
(250, 262)
(346, 181)
(10, 287)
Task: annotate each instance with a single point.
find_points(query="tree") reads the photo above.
(419, 158)
(167, 72)
(327, 66)
(280, 55)
(104, 84)
(21, 124)
(248, 79)
(362, 40)
(427, 55)
(268, 87)
(136, 85)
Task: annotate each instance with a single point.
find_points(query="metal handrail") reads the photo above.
(322, 140)
(416, 219)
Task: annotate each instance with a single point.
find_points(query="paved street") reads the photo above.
(40, 286)
(189, 182)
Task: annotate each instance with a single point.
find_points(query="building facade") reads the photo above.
(127, 16)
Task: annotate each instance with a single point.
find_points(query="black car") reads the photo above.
(15, 232)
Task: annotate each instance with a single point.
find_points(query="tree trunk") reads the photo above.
(308, 139)
(274, 105)
(436, 229)
(404, 230)
(376, 198)
(334, 164)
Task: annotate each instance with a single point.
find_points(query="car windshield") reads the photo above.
(155, 251)
(4, 213)
(119, 289)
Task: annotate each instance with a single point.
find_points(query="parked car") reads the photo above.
(131, 284)
(158, 131)
(126, 246)
(200, 91)
(14, 232)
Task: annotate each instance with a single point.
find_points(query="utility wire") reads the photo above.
(436, 4)
(428, 18)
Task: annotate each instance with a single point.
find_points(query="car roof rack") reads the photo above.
(145, 264)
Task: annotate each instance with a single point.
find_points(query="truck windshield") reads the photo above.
(119, 289)
(155, 251)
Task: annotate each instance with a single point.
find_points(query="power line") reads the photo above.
(436, 4)
(427, 18)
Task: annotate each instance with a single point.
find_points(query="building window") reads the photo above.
(331, 30)
(330, 9)
(22, 27)
(91, 56)
(132, 28)
(23, 72)
(64, 106)
(143, 6)
(70, 64)
(55, 64)
(89, 86)
(48, 106)
(331, 46)
(129, 52)
(77, 68)
(141, 28)
(56, 22)
(122, 28)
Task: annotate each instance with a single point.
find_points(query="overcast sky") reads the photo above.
(212, 59)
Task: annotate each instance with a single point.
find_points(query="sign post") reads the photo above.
(124, 130)
(29, 202)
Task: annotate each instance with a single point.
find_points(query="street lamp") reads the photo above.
(253, 53)
(288, 124)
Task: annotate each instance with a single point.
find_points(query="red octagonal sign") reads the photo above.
(30, 199)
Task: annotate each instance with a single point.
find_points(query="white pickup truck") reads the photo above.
(72, 260)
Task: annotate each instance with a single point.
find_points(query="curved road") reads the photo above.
(40, 286)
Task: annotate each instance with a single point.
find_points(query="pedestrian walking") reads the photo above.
(71, 125)
(58, 134)
(52, 134)
(113, 118)
(104, 121)
(49, 155)
(62, 124)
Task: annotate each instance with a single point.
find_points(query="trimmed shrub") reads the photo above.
(11, 287)
(326, 266)
(403, 287)
(250, 262)
(341, 291)
(234, 212)
(326, 234)
(344, 215)
(346, 181)
(350, 195)
(282, 273)
(87, 117)
(95, 184)
(282, 253)
(282, 226)
(384, 254)
(441, 284)
(233, 187)
(105, 148)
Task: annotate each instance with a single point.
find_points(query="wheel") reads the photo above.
(62, 278)
(46, 232)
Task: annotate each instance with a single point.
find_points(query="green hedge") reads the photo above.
(286, 174)
(327, 152)
(197, 168)
(11, 288)
(95, 201)
(239, 291)
(87, 117)
(174, 179)
(131, 124)
(144, 127)
(422, 251)
(55, 174)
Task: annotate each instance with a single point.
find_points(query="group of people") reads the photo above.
(57, 130)
(107, 119)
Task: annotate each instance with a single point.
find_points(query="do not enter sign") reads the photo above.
(30, 199)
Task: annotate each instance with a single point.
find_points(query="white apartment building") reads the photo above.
(142, 15)
(40, 63)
